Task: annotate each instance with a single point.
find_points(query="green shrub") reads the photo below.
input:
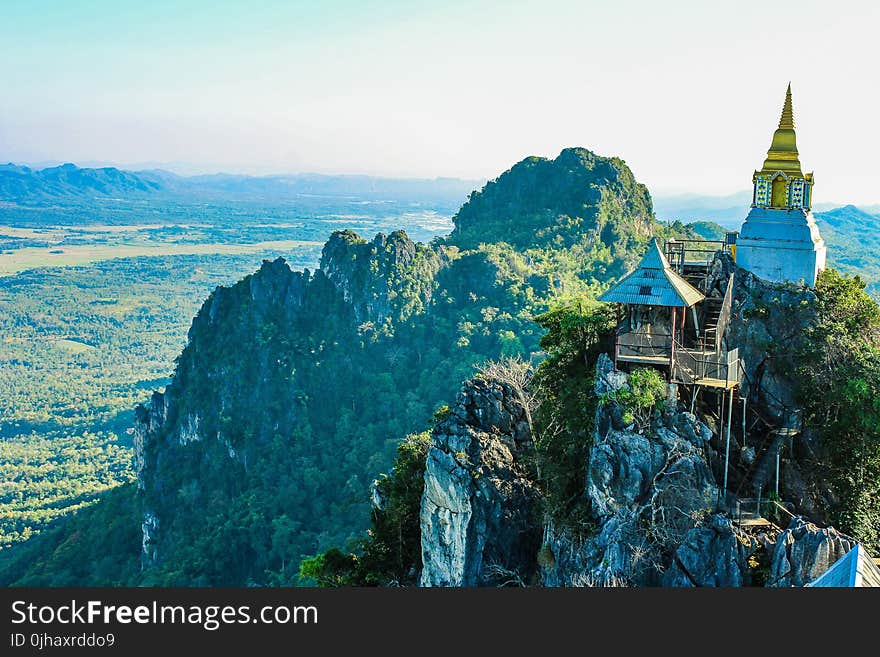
(645, 392)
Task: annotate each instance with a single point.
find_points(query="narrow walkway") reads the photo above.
(746, 515)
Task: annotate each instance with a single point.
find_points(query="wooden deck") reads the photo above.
(761, 523)
(663, 361)
(644, 360)
(711, 383)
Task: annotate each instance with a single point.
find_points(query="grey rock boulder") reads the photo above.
(804, 551)
(714, 554)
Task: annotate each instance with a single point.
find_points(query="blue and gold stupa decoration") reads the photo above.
(779, 240)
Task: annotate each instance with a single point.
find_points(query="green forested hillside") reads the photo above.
(295, 390)
(853, 243)
(579, 196)
(79, 347)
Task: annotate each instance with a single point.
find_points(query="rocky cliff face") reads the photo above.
(715, 553)
(650, 488)
(479, 504)
(239, 414)
(184, 447)
(769, 324)
(388, 278)
(654, 501)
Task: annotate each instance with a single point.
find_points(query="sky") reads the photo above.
(688, 93)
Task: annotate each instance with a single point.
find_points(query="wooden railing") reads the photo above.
(644, 344)
(690, 366)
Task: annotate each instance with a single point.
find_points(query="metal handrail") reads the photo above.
(702, 366)
(677, 250)
(782, 507)
(645, 343)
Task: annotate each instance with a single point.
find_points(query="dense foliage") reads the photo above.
(390, 553)
(97, 546)
(841, 392)
(645, 392)
(564, 385)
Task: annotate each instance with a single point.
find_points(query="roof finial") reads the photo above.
(786, 121)
(783, 153)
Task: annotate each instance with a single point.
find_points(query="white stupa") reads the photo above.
(779, 240)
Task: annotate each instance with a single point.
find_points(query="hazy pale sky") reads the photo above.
(688, 93)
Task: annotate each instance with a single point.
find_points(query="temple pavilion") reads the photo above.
(665, 321)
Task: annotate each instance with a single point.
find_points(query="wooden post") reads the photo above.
(727, 443)
(617, 337)
(778, 450)
(672, 347)
(683, 322)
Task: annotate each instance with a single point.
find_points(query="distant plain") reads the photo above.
(95, 302)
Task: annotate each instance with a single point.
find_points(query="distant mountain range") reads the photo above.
(24, 185)
(728, 211)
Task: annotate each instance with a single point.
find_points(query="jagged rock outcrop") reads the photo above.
(648, 487)
(478, 508)
(615, 556)
(149, 421)
(769, 324)
(185, 447)
(804, 551)
(712, 554)
(269, 363)
(372, 274)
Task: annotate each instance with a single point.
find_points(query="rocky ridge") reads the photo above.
(258, 340)
(656, 520)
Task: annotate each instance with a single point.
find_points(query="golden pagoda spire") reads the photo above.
(783, 153)
(787, 118)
